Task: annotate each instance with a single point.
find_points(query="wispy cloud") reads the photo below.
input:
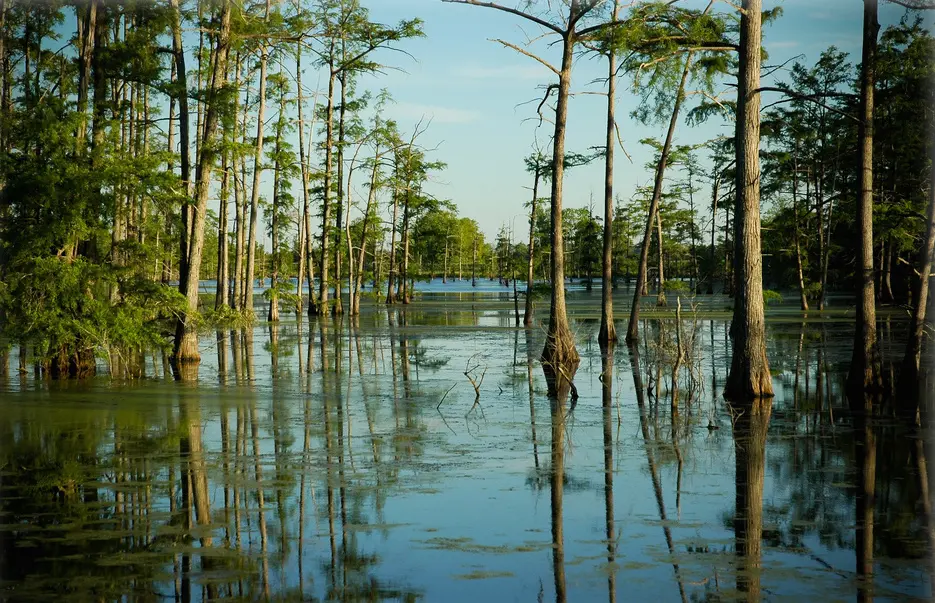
(500, 72)
(438, 114)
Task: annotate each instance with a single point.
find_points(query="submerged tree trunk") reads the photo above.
(257, 172)
(633, 325)
(527, 315)
(186, 337)
(749, 372)
(865, 370)
(608, 331)
(559, 357)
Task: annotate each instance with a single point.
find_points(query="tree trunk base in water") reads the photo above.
(608, 333)
(185, 355)
(273, 314)
(560, 382)
(560, 361)
(185, 371)
(748, 384)
(75, 365)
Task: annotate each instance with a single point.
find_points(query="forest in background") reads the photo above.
(122, 124)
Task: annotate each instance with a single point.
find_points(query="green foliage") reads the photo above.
(61, 305)
(676, 286)
(770, 296)
(226, 317)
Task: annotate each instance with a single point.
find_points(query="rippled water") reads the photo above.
(352, 461)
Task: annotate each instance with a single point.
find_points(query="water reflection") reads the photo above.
(750, 424)
(312, 461)
(607, 400)
(557, 492)
(865, 451)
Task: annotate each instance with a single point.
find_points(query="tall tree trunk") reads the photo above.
(305, 246)
(820, 215)
(371, 200)
(633, 334)
(87, 27)
(865, 370)
(181, 84)
(406, 294)
(240, 197)
(390, 291)
(186, 336)
(527, 316)
(338, 308)
(803, 298)
(474, 264)
(6, 76)
(257, 172)
(559, 357)
(886, 290)
(326, 203)
(221, 295)
(695, 277)
(349, 241)
(273, 314)
(715, 191)
(608, 331)
(199, 79)
(909, 388)
(749, 372)
(661, 277)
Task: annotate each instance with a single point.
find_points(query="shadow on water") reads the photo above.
(352, 460)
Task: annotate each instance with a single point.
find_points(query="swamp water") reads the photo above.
(350, 461)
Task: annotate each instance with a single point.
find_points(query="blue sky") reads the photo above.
(473, 90)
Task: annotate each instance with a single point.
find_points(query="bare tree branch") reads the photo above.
(620, 141)
(812, 98)
(548, 93)
(512, 11)
(527, 53)
(915, 4)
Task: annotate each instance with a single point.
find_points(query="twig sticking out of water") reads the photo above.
(471, 373)
(445, 396)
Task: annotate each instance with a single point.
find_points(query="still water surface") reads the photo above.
(352, 461)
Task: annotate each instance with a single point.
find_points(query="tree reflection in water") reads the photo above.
(751, 421)
(276, 477)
